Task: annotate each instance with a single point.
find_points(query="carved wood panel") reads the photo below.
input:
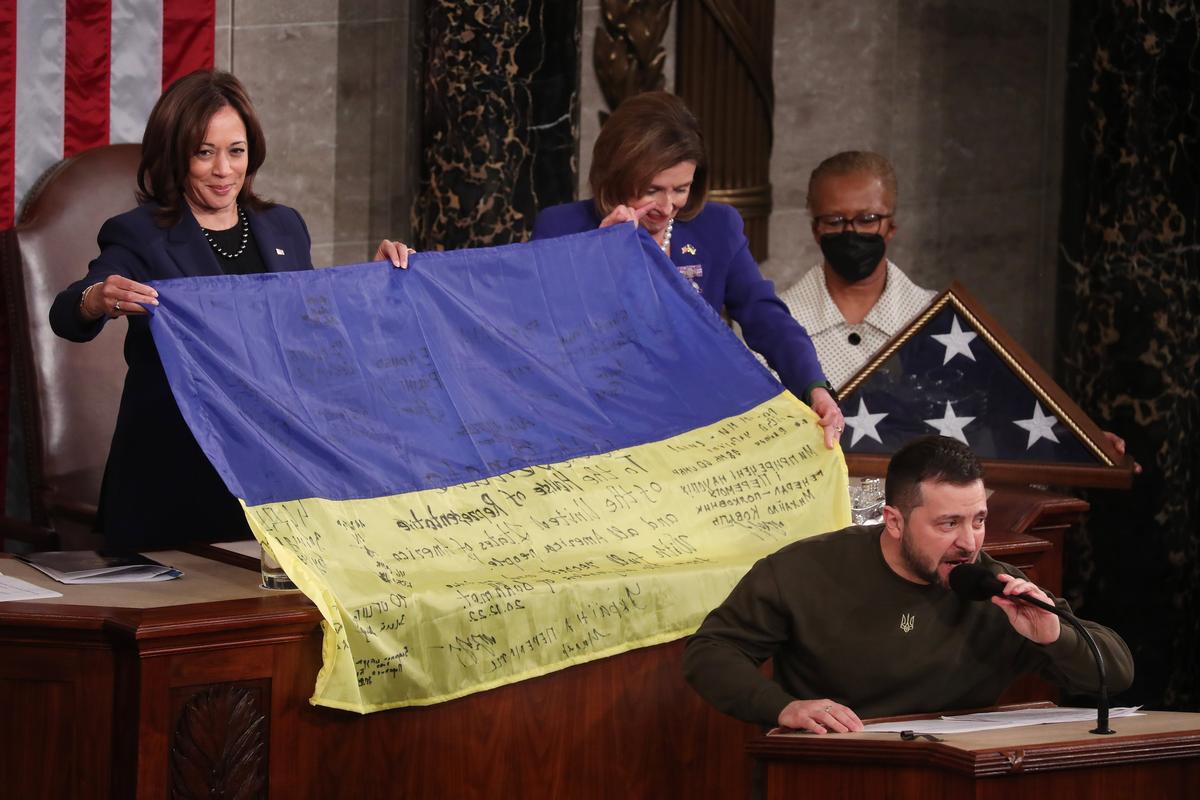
(219, 743)
(628, 55)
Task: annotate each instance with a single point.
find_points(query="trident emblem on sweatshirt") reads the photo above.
(907, 622)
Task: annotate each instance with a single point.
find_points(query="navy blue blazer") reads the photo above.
(159, 488)
(715, 242)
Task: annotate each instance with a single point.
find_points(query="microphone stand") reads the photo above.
(1102, 700)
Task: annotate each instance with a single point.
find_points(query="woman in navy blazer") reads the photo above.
(648, 167)
(198, 215)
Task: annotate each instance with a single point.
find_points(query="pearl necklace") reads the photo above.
(245, 237)
(666, 245)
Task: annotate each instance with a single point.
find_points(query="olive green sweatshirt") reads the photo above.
(840, 624)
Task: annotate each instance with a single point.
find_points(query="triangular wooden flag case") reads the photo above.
(954, 370)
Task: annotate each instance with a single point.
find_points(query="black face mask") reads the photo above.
(853, 256)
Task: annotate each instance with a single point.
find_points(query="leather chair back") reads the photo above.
(69, 392)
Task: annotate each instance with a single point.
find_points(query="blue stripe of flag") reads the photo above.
(367, 381)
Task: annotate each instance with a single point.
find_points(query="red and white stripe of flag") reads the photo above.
(76, 74)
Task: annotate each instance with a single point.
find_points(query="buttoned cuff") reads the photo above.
(826, 385)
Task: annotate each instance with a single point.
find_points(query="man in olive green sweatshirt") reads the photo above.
(861, 622)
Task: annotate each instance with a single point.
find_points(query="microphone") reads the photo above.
(973, 582)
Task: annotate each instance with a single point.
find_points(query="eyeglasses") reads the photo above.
(836, 223)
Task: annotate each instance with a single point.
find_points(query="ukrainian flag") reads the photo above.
(498, 462)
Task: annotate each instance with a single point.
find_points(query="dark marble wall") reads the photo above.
(1129, 324)
(551, 62)
(500, 121)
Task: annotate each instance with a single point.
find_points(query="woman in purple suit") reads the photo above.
(197, 216)
(648, 168)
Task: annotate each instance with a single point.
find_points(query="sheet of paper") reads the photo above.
(991, 720)
(129, 576)
(17, 589)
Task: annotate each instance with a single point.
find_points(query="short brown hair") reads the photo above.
(648, 133)
(175, 130)
(852, 162)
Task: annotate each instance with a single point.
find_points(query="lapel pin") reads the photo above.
(689, 249)
(279, 252)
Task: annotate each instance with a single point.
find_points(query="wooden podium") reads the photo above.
(1151, 756)
(179, 688)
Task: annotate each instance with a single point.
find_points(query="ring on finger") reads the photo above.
(117, 307)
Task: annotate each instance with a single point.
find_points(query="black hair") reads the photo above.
(939, 459)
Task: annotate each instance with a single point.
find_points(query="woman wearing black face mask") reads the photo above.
(856, 299)
(852, 246)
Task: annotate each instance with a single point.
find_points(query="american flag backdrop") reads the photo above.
(947, 375)
(76, 74)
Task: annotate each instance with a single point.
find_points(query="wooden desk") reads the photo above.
(1153, 756)
(143, 699)
(143, 690)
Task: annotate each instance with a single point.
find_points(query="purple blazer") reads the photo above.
(729, 278)
(159, 488)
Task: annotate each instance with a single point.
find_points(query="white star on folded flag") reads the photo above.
(950, 425)
(1040, 425)
(956, 342)
(864, 423)
(985, 397)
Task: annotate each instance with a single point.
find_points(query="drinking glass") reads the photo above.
(273, 576)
